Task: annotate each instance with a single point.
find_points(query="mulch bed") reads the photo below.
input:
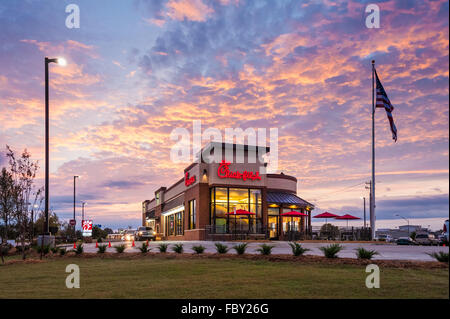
(307, 259)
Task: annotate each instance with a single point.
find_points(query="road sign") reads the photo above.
(73, 222)
(86, 227)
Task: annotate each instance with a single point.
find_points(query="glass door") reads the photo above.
(273, 227)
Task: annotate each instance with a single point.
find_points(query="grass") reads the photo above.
(172, 278)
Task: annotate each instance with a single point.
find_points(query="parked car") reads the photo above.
(145, 233)
(426, 239)
(384, 237)
(406, 241)
(129, 235)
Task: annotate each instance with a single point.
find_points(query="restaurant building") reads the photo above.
(229, 197)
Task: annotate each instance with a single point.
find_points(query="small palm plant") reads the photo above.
(331, 251)
(240, 249)
(297, 249)
(178, 248)
(44, 249)
(198, 249)
(101, 249)
(120, 248)
(265, 249)
(440, 256)
(54, 249)
(163, 248)
(144, 248)
(362, 253)
(79, 250)
(221, 248)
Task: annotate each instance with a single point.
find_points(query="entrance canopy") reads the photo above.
(286, 198)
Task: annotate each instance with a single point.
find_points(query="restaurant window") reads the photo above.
(224, 201)
(174, 224)
(192, 214)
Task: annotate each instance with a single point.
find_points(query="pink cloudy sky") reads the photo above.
(138, 69)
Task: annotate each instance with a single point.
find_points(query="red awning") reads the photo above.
(293, 214)
(326, 215)
(240, 212)
(347, 217)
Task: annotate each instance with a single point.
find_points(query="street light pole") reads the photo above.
(82, 210)
(74, 202)
(364, 212)
(60, 61)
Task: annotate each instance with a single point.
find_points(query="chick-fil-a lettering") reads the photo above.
(188, 181)
(224, 172)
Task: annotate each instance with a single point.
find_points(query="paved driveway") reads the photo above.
(386, 251)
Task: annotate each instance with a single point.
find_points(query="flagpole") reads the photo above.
(372, 208)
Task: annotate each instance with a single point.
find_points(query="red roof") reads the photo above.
(293, 214)
(347, 216)
(326, 215)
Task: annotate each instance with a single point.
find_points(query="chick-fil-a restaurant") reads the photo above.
(229, 198)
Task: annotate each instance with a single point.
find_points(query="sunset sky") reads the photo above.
(138, 69)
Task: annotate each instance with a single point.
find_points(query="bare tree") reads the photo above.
(23, 171)
(6, 202)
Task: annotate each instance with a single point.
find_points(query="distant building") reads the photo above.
(401, 231)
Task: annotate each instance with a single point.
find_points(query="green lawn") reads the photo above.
(212, 278)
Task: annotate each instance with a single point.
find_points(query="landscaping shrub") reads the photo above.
(221, 248)
(265, 249)
(20, 249)
(99, 240)
(331, 251)
(440, 256)
(240, 249)
(101, 249)
(178, 248)
(120, 248)
(79, 250)
(198, 249)
(44, 249)
(163, 248)
(144, 248)
(362, 253)
(297, 249)
(54, 249)
(4, 250)
(62, 251)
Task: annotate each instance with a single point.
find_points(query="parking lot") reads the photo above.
(386, 251)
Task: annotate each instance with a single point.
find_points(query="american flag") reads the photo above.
(383, 101)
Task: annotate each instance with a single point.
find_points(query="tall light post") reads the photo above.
(407, 220)
(82, 210)
(47, 61)
(74, 201)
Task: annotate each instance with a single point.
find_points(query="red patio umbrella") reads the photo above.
(240, 212)
(326, 215)
(347, 217)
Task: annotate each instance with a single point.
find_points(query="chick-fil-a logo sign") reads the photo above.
(188, 181)
(224, 172)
